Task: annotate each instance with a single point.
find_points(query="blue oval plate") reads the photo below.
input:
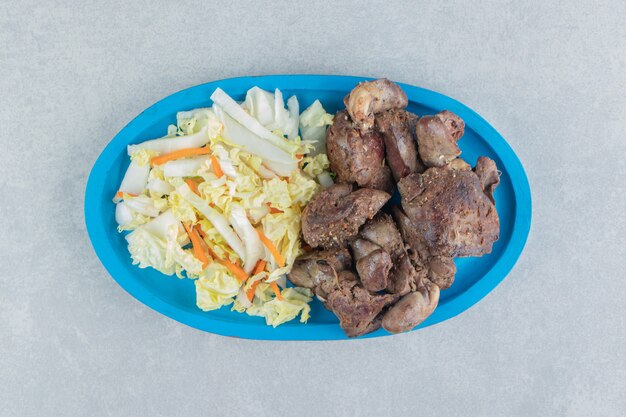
(175, 298)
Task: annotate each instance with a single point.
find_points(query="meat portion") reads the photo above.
(400, 147)
(451, 212)
(412, 309)
(356, 308)
(437, 136)
(372, 97)
(316, 267)
(355, 156)
(455, 125)
(334, 216)
(383, 232)
(373, 270)
(440, 270)
(488, 175)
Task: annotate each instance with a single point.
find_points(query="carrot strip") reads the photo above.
(192, 185)
(236, 270)
(259, 267)
(270, 246)
(276, 291)
(120, 194)
(275, 210)
(251, 290)
(196, 242)
(182, 153)
(201, 233)
(216, 167)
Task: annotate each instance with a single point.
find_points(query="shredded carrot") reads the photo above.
(275, 210)
(196, 242)
(251, 290)
(276, 290)
(259, 267)
(192, 185)
(201, 233)
(120, 194)
(270, 246)
(182, 153)
(236, 270)
(216, 167)
(299, 155)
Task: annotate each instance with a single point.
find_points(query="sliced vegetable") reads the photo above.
(325, 180)
(192, 186)
(167, 145)
(276, 312)
(216, 287)
(294, 117)
(313, 122)
(254, 144)
(276, 290)
(217, 219)
(182, 153)
(216, 167)
(235, 111)
(270, 246)
(135, 179)
(251, 290)
(159, 186)
(198, 249)
(260, 267)
(249, 236)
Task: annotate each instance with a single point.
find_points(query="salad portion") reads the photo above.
(219, 200)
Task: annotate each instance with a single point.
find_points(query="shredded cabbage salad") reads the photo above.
(218, 200)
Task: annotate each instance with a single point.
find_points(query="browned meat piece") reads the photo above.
(381, 180)
(371, 97)
(400, 145)
(356, 307)
(455, 125)
(412, 309)
(403, 276)
(315, 267)
(437, 136)
(357, 157)
(373, 270)
(362, 248)
(440, 270)
(488, 175)
(450, 210)
(419, 252)
(383, 232)
(334, 216)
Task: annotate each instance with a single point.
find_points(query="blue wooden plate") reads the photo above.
(175, 298)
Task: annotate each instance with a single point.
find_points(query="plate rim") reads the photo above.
(314, 331)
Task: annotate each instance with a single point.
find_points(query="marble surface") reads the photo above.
(550, 76)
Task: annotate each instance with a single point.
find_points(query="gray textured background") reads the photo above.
(550, 340)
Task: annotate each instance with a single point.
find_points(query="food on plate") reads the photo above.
(372, 97)
(397, 264)
(357, 157)
(437, 137)
(246, 194)
(398, 130)
(336, 214)
(219, 200)
(451, 211)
